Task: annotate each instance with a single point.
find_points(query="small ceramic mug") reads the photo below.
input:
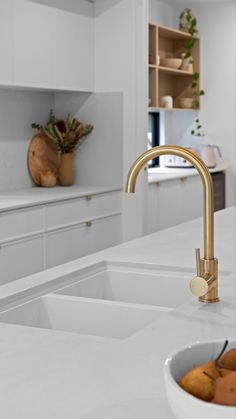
(167, 102)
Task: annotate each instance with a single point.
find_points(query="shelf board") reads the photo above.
(171, 33)
(159, 108)
(153, 66)
(174, 72)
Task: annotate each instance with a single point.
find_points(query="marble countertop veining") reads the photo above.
(57, 375)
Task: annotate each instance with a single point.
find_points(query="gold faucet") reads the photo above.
(205, 284)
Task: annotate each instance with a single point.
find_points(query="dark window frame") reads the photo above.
(155, 129)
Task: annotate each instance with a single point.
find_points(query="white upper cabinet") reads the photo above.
(34, 45)
(53, 49)
(74, 51)
(6, 42)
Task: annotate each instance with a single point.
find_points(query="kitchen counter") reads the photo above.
(161, 174)
(52, 374)
(29, 197)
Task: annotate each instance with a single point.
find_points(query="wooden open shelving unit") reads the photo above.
(165, 42)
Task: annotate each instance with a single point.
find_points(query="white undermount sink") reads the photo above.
(106, 299)
(133, 283)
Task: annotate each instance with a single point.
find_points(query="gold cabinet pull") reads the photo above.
(88, 223)
(88, 197)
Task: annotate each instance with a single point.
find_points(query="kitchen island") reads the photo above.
(55, 374)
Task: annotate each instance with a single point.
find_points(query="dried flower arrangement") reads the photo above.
(68, 134)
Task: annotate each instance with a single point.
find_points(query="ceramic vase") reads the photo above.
(66, 169)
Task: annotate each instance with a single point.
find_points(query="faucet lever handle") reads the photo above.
(198, 261)
(200, 286)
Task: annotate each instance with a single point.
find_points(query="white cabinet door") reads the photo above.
(71, 243)
(34, 44)
(174, 202)
(74, 51)
(169, 211)
(6, 42)
(192, 197)
(164, 205)
(152, 221)
(22, 258)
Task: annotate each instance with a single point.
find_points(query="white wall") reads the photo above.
(120, 65)
(18, 110)
(217, 29)
(161, 13)
(99, 161)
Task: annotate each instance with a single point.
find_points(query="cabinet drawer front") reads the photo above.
(15, 224)
(81, 209)
(72, 243)
(22, 258)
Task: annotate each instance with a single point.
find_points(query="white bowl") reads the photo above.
(171, 62)
(183, 404)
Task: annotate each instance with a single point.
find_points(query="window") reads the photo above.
(153, 135)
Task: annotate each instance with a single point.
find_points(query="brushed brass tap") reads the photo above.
(205, 284)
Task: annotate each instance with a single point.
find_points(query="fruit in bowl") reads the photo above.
(200, 381)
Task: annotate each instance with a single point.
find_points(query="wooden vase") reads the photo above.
(66, 173)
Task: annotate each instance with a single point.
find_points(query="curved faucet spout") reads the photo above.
(208, 264)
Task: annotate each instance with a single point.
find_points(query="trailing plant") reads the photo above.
(191, 28)
(197, 131)
(67, 134)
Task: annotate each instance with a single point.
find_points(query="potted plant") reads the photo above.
(68, 134)
(188, 23)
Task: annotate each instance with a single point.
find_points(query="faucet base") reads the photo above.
(205, 300)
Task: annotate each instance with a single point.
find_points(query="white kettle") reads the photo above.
(207, 153)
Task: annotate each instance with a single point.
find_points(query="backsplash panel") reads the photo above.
(18, 109)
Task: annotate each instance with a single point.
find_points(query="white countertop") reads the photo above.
(161, 174)
(22, 198)
(51, 374)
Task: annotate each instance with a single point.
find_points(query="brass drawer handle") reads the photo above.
(157, 184)
(88, 223)
(88, 197)
(183, 178)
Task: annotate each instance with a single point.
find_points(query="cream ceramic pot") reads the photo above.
(207, 153)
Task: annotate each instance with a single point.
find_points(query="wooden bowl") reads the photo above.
(186, 102)
(171, 62)
(43, 160)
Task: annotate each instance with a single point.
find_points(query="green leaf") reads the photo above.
(194, 84)
(196, 76)
(192, 132)
(189, 44)
(201, 93)
(188, 54)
